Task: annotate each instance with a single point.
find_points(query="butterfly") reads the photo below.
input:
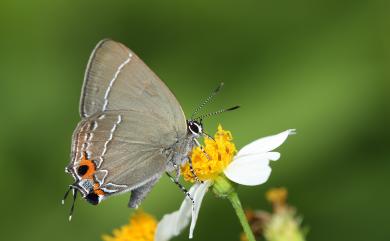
(132, 129)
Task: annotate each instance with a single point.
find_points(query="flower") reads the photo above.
(141, 227)
(280, 225)
(249, 166)
(220, 153)
(284, 224)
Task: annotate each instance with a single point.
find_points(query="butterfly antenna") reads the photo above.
(74, 200)
(211, 96)
(217, 112)
(66, 195)
(208, 136)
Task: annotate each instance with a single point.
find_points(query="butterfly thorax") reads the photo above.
(179, 152)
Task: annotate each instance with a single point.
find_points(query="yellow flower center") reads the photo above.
(219, 155)
(141, 227)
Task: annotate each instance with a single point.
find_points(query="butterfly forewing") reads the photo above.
(117, 79)
(130, 124)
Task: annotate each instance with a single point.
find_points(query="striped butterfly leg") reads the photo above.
(183, 189)
(202, 149)
(178, 172)
(177, 168)
(193, 171)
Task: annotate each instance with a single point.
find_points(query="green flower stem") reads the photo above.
(235, 201)
(223, 188)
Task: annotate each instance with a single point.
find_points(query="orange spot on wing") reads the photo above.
(97, 190)
(89, 174)
(91, 168)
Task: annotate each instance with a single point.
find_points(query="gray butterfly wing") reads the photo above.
(130, 148)
(130, 123)
(116, 78)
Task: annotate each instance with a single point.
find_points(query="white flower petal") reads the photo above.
(273, 156)
(265, 144)
(251, 169)
(198, 198)
(172, 224)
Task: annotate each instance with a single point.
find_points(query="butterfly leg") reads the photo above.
(202, 149)
(193, 171)
(177, 169)
(182, 188)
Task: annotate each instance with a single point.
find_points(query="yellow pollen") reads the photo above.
(141, 227)
(219, 155)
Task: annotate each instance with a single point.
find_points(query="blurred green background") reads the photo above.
(321, 67)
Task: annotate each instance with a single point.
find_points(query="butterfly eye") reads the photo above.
(82, 170)
(195, 127)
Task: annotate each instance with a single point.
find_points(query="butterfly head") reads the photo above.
(195, 127)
